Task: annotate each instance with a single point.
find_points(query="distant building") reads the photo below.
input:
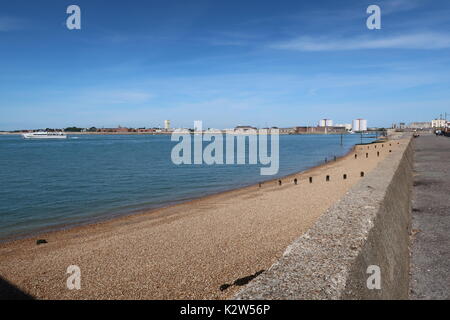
(145, 130)
(320, 129)
(438, 123)
(335, 129)
(287, 130)
(305, 129)
(347, 126)
(359, 125)
(115, 130)
(420, 125)
(167, 124)
(244, 128)
(325, 123)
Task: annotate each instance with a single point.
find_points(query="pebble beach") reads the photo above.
(202, 249)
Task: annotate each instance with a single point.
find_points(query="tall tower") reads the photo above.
(167, 124)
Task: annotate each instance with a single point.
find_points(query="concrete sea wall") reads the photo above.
(369, 226)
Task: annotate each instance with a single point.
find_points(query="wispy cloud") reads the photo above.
(9, 24)
(394, 6)
(215, 42)
(421, 41)
(115, 96)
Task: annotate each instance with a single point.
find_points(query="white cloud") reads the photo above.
(422, 41)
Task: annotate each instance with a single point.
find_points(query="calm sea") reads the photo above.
(46, 184)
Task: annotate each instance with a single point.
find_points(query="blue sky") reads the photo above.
(263, 63)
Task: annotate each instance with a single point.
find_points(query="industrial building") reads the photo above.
(359, 125)
(325, 123)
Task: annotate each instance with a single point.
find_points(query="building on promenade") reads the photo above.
(420, 125)
(167, 124)
(438, 123)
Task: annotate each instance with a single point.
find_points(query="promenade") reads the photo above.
(430, 265)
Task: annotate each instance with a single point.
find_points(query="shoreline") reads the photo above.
(145, 211)
(188, 250)
(170, 132)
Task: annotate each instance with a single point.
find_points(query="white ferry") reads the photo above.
(44, 135)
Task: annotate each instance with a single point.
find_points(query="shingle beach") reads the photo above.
(192, 250)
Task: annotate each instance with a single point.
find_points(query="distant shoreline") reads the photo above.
(167, 133)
